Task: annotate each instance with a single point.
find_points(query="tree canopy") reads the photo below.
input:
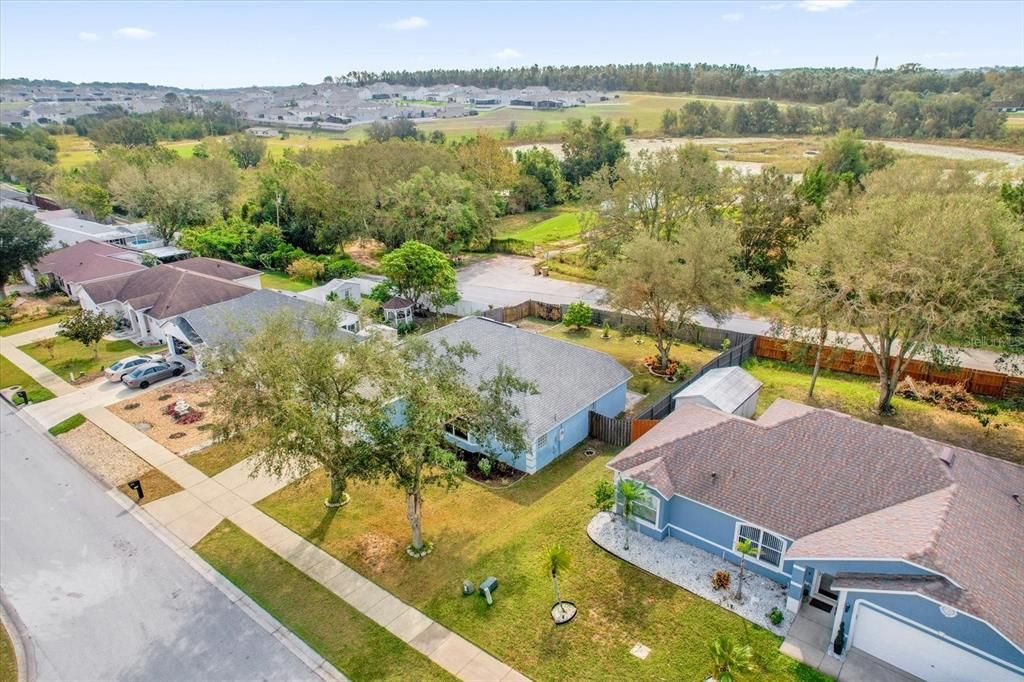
(23, 241)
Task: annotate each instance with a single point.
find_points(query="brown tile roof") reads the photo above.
(88, 260)
(167, 290)
(396, 303)
(215, 268)
(844, 488)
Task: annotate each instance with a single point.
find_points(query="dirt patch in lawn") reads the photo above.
(366, 252)
(148, 408)
(379, 551)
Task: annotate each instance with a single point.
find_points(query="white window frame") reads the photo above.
(450, 430)
(656, 505)
(757, 559)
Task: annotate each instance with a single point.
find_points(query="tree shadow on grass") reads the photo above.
(317, 535)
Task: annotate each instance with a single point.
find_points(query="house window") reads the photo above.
(768, 547)
(457, 431)
(646, 508)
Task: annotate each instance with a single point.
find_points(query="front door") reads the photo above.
(822, 596)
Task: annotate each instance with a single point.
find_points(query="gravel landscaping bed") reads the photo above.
(691, 568)
(103, 455)
(147, 409)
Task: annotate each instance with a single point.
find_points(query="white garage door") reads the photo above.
(920, 653)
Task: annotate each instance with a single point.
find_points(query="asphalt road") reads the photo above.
(101, 597)
(509, 280)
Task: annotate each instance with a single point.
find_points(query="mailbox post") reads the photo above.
(136, 485)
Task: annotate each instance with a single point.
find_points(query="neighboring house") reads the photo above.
(71, 267)
(732, 390)
(147, 300)
(914, 546)
(571, 382)
(340, 288)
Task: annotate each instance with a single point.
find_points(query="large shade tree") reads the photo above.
(923, 256)
(295, 391)
(422, 274)
(669, 282)
(23, 241)
(429, 390)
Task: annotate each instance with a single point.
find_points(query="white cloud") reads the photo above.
(732, 16)
(823, 5)
(134, 33)
(508, 53)
(88, 36)
(408, 24)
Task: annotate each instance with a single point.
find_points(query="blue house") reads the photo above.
(912, 548)
(571, 382)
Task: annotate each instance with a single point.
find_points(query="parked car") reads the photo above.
(124, 366)
(152, 372)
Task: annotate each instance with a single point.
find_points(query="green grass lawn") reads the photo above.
(562, 227)
(69, 424)
(28, 325)
(8, 661)
(70, 356)
(11, 374)
(856, 395)
(353, 643)
(217, 457)
(630, 352)
(480, 532)
(275, 279)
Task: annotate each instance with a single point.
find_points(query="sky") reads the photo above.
(234, 44)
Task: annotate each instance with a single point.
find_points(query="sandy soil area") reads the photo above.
(103, 455)
(163, 428)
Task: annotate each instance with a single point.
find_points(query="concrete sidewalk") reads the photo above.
(191, 514)
(29, 365)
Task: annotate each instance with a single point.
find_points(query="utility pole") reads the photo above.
(277, 203)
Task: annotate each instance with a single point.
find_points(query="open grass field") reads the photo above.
(11, 375)
(72, 357)
(480, 532)
(541, 227)
(1015, 120)
(275, 279)
(630, 352)
(855, 395)
(353, 643)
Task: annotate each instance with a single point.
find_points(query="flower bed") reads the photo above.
(169, 413)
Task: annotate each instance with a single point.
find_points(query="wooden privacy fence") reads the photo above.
(980, 382)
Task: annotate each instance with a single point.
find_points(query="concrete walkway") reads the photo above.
(192, 513)
(29, 365)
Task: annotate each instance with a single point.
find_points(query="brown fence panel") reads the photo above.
(987, 383)
(773, 349)
(515, 313)
(610, 430)
(1014, 387)
(545, 311)
(641, 426)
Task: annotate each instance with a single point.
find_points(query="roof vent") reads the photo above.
(948, 457)
(1020, 503)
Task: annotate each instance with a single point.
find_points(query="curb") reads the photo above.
(24, 652)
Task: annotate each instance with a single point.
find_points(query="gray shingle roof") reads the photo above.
(841, 487)
(569, 378)
(239, 317)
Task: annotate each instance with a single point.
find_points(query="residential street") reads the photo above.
(101, 597)
(508, 280)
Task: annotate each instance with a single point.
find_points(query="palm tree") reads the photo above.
(730, 658)
(745, 548)
(630, 494)
(557, 562)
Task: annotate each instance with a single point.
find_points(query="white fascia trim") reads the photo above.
(941, 635)
(931, 571)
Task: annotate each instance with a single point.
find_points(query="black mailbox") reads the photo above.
(22, 396)
(136, 485)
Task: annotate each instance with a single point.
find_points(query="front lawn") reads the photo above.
(12, 375)
(353, 643)
(218, 457)
(72, 357)
(630, 351)
(856, 395)
(69, 424)
(28, 325)
(480, 532)
(275, 279)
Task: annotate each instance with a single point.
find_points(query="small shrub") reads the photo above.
(604, 496)
(577, 315)
(204, 427)
(721, 580)
(776, 616)
(954, 397)
(177, 435)
(132, 406)
(606, 330)
(205, 403)
(484, 465)
(165, 396)
(406, 328)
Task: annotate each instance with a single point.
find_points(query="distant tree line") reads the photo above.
(811, 85)
(906, 114)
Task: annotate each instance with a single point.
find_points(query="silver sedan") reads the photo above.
(151, 372)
